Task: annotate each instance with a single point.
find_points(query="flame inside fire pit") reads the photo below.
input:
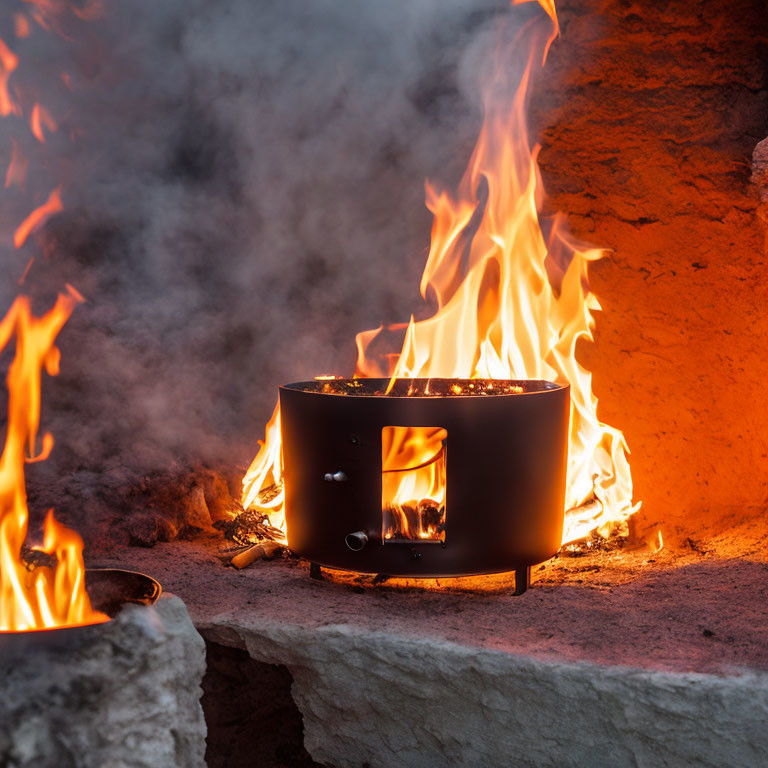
(47, 589)
(413, 483)
(510, 295)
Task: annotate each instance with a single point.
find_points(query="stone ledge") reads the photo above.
(383, 700)
(675, 611)
(612, 659)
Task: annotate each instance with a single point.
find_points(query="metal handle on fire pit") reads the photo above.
(356, 541)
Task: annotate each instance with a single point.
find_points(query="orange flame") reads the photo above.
(511, 303)
(266, 472)
(17, 168)
(38, 217)
(21, 25)
(41, 117)
(549, 8)
(47, 596)
(8, 63)
(413, 483)
(24, 274)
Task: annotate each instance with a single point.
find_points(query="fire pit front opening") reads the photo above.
(413, 480)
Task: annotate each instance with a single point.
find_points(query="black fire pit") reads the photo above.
(497, 449)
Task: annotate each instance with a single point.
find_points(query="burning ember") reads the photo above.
(511, 301)
(46, 588)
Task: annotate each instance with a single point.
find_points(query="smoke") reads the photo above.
(243, 194)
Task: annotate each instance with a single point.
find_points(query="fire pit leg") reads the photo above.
(315, 572)
(522, 580)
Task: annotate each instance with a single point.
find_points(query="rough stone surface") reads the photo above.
(388, 701)
(614, 658)
(124, 694)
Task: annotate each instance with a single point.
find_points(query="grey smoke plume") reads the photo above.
(245, 195)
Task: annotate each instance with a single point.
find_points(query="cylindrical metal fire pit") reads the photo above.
(505, 454)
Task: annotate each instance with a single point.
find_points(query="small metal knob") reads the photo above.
(356, 541)
(337, 477)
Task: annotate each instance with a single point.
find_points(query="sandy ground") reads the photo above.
(699, 608)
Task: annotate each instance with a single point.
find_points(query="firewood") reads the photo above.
(226, 553)
(266, 550)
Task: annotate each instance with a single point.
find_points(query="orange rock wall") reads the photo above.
(647, 140)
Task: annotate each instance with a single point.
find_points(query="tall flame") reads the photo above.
(49, 592)
(511, 301)
(51, 595)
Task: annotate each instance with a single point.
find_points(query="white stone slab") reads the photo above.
(387, 701)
